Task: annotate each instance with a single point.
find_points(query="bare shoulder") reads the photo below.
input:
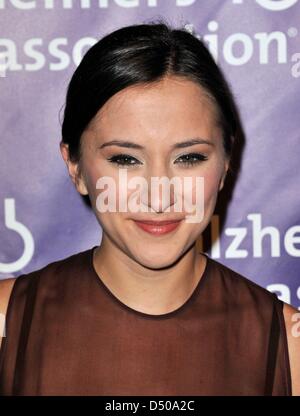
(6, 286)
(292, 323)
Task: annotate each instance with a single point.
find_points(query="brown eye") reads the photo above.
(124, 160)
(191, 159)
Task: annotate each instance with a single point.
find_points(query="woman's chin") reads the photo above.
(156, 261)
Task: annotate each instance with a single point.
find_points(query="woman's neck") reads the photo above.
(152, 291)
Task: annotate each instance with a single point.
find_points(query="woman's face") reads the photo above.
(155, 119)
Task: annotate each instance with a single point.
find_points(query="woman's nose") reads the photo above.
(160, 193)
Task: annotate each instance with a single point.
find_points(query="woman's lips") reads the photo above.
(158, 228)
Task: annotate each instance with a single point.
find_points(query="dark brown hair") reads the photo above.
(141, 54)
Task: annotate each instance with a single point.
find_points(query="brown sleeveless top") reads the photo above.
(68, 334)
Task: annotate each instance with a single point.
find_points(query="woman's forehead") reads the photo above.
(155, 108)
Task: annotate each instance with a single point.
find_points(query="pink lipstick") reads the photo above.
(158, 227)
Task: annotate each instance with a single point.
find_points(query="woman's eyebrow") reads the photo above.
(191, 142)
(122, 143)
(179, 145)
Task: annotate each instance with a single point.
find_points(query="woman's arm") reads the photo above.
(292, 323)
(6, 286)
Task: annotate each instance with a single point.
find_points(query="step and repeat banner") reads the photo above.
(257, 44)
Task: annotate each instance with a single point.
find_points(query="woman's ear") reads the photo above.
(73, 169)
(222, 180)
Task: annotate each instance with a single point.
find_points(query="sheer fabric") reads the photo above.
(68, 334)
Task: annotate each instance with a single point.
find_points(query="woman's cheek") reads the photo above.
(211, 184)
(93, 184)
(201, 189)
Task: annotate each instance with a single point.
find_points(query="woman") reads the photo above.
(145, 313)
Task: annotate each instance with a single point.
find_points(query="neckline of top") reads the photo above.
(170, 314)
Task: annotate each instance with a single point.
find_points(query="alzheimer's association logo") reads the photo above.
(272, 5)
(3, 64)
(276, 5)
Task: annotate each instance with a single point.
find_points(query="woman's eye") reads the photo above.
(191, 159)
(124, 160)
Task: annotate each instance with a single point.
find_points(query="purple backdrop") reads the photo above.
(257, 44)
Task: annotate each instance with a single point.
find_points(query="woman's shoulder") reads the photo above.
(292, 324)
(244, 292)
(56, 268)
(14, 291)
(6, 287)
(71, 265)
(238, 286)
